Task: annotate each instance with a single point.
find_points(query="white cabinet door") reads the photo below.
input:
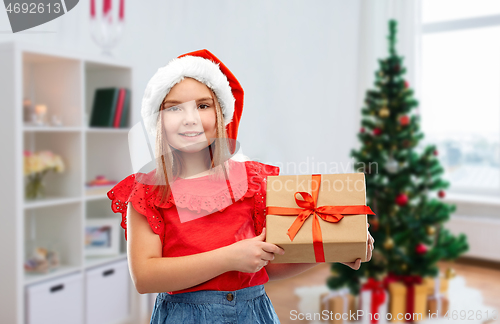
(58, 301)
(107, 293)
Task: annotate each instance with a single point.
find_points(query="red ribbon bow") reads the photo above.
(332, 214)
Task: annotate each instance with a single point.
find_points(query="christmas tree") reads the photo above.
(402, 180)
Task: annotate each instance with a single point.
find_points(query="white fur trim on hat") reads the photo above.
(198, 68)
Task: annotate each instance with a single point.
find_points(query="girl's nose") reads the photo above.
(191, 115)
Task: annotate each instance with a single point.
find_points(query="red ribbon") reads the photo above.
(409, 281)
(332, 214)
(378, 295)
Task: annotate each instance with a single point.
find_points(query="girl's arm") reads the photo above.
(152, 273)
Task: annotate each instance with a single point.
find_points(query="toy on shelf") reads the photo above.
(42, 261)
(100, 185)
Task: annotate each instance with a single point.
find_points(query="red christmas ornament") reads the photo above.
(374, 224)
(421, 249)
(435, 152)
(407, 85)
(441, 194)
(377, 131)
(401, 199)
(362, 130)
(404, 120)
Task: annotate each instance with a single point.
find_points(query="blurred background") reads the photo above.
(305, 68)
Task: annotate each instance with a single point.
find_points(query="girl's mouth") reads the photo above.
(191, 135)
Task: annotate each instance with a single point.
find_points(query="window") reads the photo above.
(460, 102)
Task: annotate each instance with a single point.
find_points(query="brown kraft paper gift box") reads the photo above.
(397, 301)
(336, 305)
(343, 241)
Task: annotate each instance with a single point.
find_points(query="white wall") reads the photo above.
(296, 60)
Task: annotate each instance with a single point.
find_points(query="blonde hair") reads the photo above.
(169, 162)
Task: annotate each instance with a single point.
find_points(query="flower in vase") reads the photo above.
(36, 165)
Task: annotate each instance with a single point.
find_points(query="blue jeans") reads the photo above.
(248, 305)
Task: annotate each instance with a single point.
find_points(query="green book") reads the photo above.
(126, 108)
(104, 106)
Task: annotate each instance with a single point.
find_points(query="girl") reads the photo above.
(195, 223)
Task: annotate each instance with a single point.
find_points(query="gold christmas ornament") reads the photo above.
(388, 244)
(430, 230)
(380, 147)
(384, 112)
(404, 266)
(450, 273)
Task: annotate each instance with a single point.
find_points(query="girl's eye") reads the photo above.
(203, 106)
(174, 108)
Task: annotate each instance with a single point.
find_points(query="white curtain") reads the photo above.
(373, 43)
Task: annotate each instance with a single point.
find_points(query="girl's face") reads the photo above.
(189, 116)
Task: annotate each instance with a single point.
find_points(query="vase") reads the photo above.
(35, 187)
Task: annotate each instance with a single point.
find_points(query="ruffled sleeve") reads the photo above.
(143, 199)
(258, 173)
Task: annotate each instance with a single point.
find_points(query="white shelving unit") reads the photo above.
(65, 83)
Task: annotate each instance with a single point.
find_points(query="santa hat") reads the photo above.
(206, 68)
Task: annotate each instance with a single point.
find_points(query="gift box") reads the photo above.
(338, 305)
(437, 301)
(408, 300)
(442, 283)
(437, 305)
(317, 218)
(373, 302)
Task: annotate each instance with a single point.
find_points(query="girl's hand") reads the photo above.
(253, 254)
(356, 264)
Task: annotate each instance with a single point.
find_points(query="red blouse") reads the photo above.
(200, 215)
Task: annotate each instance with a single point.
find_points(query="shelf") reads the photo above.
(106, 130)
(50, 202)
(96, 197)
(32, 278)
(51, 129)
(101, 260)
